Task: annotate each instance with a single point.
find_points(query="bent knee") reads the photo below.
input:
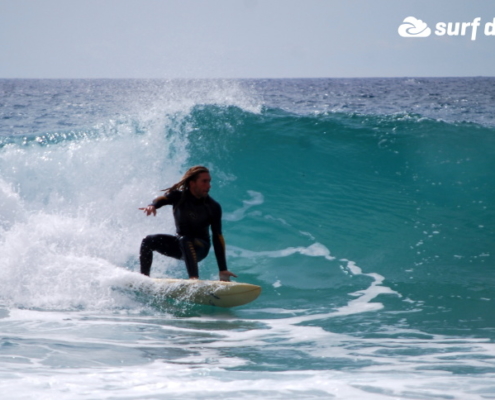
(147, 241)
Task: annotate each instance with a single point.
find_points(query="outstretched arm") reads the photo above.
(157, 203)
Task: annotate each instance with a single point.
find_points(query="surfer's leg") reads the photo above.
(190, 256)
(167, 245)
(193, 251)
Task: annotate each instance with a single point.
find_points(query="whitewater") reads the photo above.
(363, 207)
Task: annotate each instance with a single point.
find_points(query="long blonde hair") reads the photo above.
(190, 175)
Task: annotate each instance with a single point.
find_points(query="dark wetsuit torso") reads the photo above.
(193, 217)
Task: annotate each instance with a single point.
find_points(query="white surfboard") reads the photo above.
(214, 293)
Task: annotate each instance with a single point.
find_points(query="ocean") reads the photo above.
(365, 208)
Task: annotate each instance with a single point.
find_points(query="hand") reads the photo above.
(149, 210)
(225, 276)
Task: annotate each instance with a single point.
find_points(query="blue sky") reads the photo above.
(239, 39)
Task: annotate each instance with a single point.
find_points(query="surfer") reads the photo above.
(194, 212)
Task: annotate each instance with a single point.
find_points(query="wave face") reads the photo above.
(364, 208)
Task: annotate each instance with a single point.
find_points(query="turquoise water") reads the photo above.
(364, 208)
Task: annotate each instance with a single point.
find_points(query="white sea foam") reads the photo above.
(255, 200)
(149, 356)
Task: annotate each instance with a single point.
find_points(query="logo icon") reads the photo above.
(413, 27)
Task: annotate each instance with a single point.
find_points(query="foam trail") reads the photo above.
(359, 305)
(237, 215)
(314, 250)
(364, 297)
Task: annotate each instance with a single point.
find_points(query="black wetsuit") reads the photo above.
(193, 217)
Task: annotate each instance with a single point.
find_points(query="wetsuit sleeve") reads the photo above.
(217, 237)
(167, 199)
